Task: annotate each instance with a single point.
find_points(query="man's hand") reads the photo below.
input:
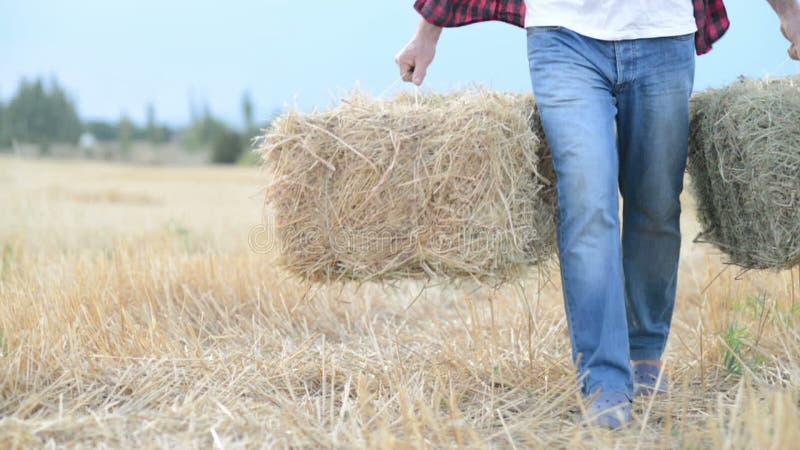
(790, 26)
(789, 13)
(414, 59)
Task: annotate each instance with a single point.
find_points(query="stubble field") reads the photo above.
(135, 314)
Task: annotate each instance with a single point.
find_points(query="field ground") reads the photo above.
(133, 314)
(172, 153)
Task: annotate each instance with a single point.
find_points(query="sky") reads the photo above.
(115, 57)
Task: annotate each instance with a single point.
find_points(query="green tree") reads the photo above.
(103, 131)
(154, 132)
(150, 113)
(126, 131)
(248, 112)
(41, 114)
(203, 131)
(5, 141)
(28, 114)
(228, 147)
(65, 120)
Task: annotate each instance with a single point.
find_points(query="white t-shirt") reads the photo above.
(614, 20)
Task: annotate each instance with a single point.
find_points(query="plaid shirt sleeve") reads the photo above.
(456, 13)
(710, 15)
(712, 23)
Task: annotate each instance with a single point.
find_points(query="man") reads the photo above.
(612, 79)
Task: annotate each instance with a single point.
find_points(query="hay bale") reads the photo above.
(456, 185)
(744, 160)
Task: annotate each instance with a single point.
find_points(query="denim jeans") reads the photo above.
(616, 116)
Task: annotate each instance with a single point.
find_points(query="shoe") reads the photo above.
(646, 382)
(610, 410)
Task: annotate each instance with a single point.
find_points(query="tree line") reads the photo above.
(42, 113)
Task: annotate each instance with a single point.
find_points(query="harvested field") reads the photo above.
(154, 325)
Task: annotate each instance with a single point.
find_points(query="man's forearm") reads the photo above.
(783, 7)
(429, 31)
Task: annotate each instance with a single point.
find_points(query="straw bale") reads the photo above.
(457, 186)
(744, 161)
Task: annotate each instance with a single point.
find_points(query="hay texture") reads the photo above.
(452, 186)
(744, 160)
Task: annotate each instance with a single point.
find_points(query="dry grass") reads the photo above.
(152, 325)
(745, 158)
(382, 190)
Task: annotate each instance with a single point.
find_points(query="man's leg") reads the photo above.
(573, 78)
(653, 130)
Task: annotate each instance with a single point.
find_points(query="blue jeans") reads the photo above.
(616, 116)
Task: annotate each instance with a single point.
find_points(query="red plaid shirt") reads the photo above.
(712, 20)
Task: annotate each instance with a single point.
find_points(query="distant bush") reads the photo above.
(5, 140)
(203, 133)
(249, 158)
(41, 112)
(228, 146)
(102, 131)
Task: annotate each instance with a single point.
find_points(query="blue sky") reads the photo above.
(116, 56)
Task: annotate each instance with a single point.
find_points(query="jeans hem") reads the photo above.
(627, 390)
(643, 354)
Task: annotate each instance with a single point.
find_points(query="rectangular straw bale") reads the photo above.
(457, 185)
(744, 161)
